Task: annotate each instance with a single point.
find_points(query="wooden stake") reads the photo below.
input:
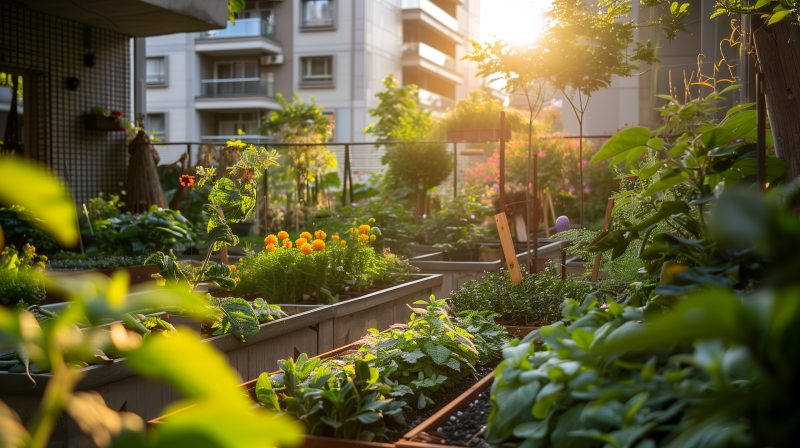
(546, 224)
(606, 225)
(508, 247)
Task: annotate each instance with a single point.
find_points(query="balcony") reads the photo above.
(248, 37)
(242, 28)
(432, 10)
(435, 101)
(418, 54)
(214, 88)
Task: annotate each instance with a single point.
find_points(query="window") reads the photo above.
(317, 70)
(157, 71)
(156, 124)
(231, 122)
(237, 70)
(318, 13)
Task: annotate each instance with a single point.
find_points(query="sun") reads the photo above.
(518, 22)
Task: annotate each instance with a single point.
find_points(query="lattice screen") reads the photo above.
(49, 50)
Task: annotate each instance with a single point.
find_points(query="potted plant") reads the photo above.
(100, 119)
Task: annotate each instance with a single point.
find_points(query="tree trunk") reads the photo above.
(778, 49)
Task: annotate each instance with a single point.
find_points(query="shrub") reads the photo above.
(20, 276)
(155, 230)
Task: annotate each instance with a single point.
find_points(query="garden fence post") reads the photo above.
(455, 170)
(502, 185)
(606, 225)
(761, 126)
(346, 168)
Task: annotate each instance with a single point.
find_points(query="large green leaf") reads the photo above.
(622, 142)
(239, 318)
(41, 193)
(669, 179)
(717, 137)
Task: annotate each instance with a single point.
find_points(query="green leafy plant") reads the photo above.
(696, 161)
(20, 276)
(354, 409)
(156, 229)
(537, 300)
(429, 353)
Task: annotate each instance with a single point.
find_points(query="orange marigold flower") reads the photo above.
(363, 229)
(363, 238)
(318, 245)
(233, 267)
(186, 180)
(300, 242)
(238, 272)
(372, 237)
(271, 239)
(306, 249)
(238, 280)
(335, 237)
(283, 235)
(343, 243)
(305, 235)
(287, 244)
(320, 235)
(270, 247)
(240, 260)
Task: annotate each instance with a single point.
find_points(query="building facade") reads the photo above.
(207, 86)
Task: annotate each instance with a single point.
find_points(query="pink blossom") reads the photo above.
(496, 186)
(486, 223)
(541, 153)
(587, 190)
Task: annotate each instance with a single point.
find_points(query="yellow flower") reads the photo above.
(319, 234)
(352, 230)
(246, 272)
(306, 249)
(335, 237)
(343, 243)
(363, 238)
(44, 258)
(305, 235)
(283, 235)
(318, 245)
(301, 242)
(271, 239)
(287, 244)
(372, 237)
(363, 229)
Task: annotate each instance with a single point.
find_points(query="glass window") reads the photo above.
(318, 13)
(157, 124)
(157, 70)
(231, 123)
(318, 68)
(237, 70)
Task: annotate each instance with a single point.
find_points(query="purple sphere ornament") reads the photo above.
(562, 224)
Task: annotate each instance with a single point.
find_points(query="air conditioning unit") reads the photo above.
(272, 59)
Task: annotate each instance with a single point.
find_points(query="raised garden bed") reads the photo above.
(138, 274)
(455, 422)
(316, 331)
(456, 273)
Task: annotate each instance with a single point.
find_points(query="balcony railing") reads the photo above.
(427, 52)
(236, 87)
(434, 100)
(242, 28)
(434, 11)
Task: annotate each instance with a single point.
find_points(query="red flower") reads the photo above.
(186, 180)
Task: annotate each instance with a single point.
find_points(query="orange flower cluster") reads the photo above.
(186, 180)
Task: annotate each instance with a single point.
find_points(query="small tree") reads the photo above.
(581, 49)
(302, 122)
(417, 164)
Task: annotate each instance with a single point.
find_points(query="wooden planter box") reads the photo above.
(101, 123)
(138, 274)
(318, 330)
(456, 273)
(412, 440)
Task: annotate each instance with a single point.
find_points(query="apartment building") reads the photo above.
(206, 86)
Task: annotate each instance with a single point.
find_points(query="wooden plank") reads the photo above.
(519, 226)
(325, 336)
(508, 247)
(606, 225)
